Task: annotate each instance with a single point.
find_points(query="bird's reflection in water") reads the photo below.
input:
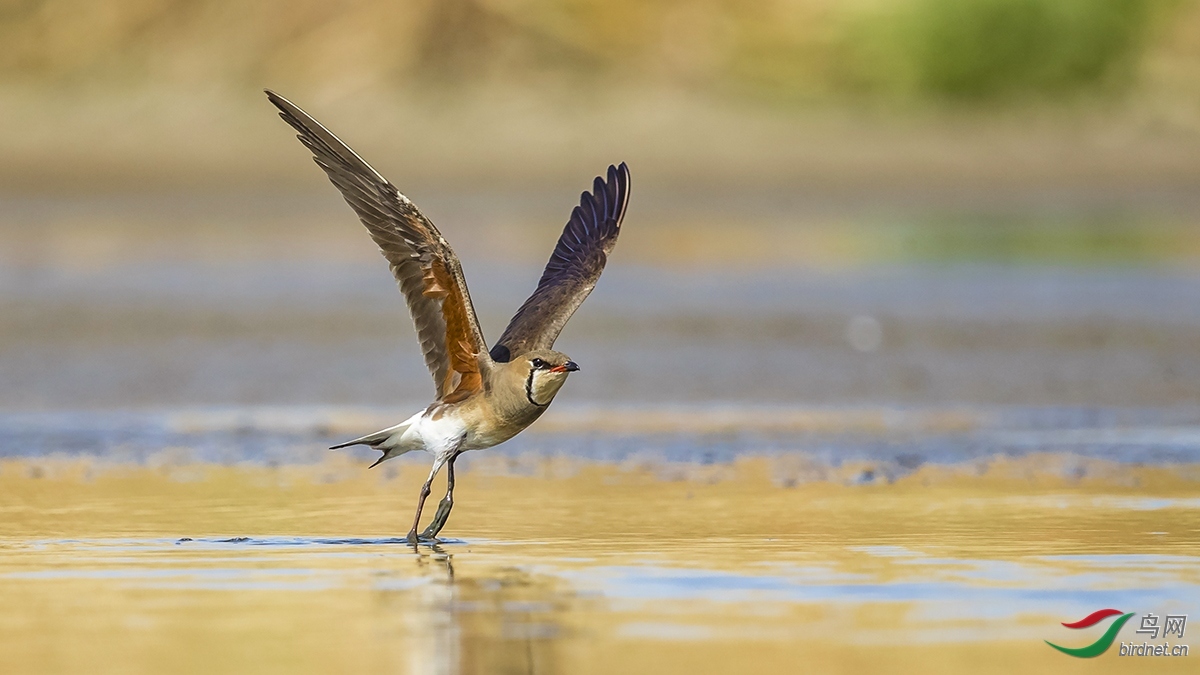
(491, 620)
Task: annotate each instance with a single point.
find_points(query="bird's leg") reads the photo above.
(444, 506)
(412, 534)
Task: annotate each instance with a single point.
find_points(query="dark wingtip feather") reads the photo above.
(623, 183)
(617, 191)
(278, 101)
(612, 197)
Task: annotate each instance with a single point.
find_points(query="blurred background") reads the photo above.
(897, 360)
(866, 202)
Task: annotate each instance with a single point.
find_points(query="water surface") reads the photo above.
(579, 567)
(776, 458)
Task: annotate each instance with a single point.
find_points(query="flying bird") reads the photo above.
(483, 396)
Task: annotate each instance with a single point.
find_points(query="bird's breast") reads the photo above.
(489, 433)
(487, 427)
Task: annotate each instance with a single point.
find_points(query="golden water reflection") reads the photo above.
(296, 569)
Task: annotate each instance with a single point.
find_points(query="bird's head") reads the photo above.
(548, 371)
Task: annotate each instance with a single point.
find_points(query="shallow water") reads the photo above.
(591, 567)
(765, 465)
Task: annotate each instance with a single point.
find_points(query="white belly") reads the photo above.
(435, 436)
(442, 434)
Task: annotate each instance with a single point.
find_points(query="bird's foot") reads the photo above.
(424, 538)
(439, 519)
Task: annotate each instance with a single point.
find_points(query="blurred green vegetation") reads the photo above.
(985, 49)
(990, 46)
(787, 49)
(889, 97)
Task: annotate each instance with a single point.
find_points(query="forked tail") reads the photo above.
(389, 441)
(376, 438)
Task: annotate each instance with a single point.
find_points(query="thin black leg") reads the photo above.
(412, 534)
(444, 506)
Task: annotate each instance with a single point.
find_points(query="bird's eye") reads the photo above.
(538, 363)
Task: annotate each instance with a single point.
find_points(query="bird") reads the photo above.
(483, 396)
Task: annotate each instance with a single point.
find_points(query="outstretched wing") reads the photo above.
(573, 269)
(425, 267)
